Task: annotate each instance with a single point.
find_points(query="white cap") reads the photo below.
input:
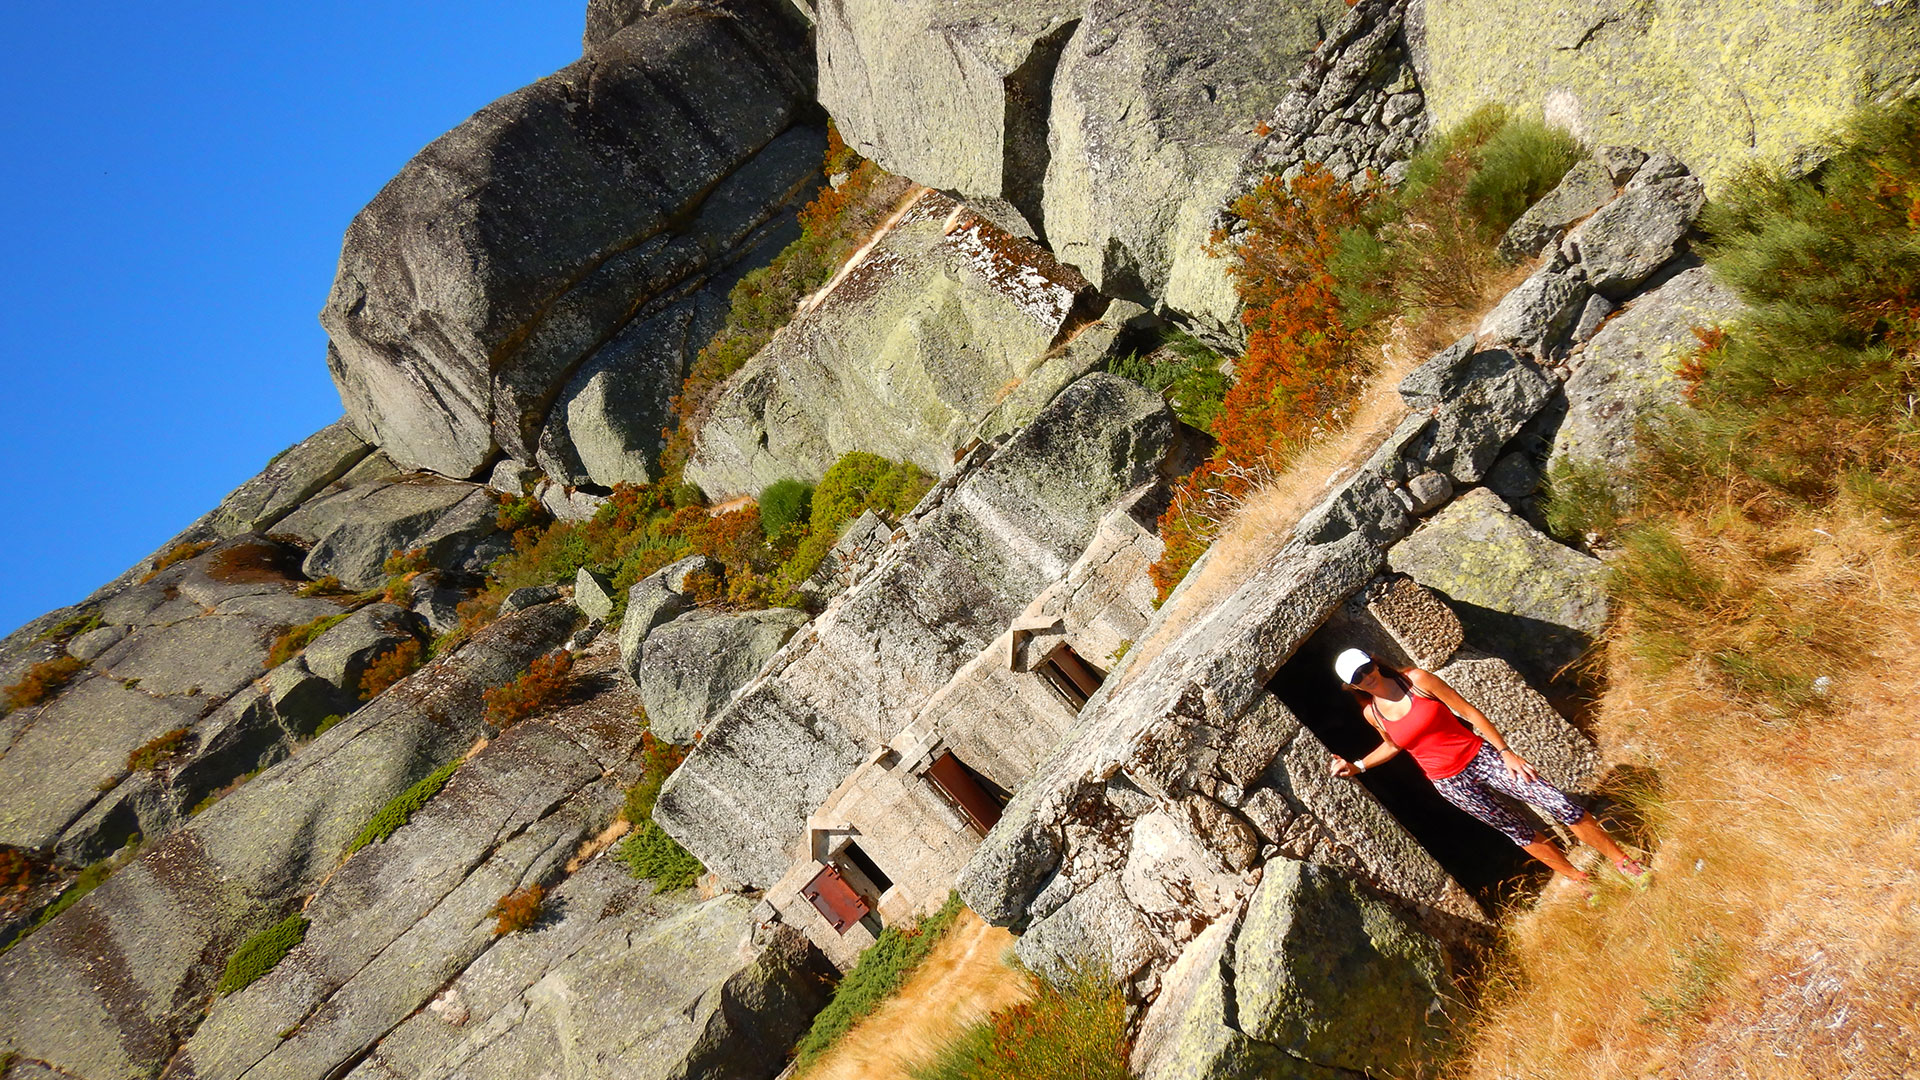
(1349, 662)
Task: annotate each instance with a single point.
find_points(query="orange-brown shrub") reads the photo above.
(390, 667)
(1299, 371)
(178, 554)
(156, 751)
(42, 681)
(542, 684)
(400, 563)
(252, 562)
(518, 909)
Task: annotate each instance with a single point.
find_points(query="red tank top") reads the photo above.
(1441, 743)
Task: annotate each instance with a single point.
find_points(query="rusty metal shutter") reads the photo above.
(958, 785)
(834, 899)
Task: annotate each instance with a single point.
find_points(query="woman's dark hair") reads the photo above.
(1365, 699)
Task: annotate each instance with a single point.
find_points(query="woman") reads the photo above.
(1418, 712)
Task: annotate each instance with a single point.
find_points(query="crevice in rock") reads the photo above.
(1028, 108)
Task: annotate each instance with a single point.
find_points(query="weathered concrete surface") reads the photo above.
(976, 558)
(107, 989)
(512, 247)
(1720, 84)
(903, 355)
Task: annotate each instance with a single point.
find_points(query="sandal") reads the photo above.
(1638, 876)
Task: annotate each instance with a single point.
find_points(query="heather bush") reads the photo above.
(323, 586)
(157, 752)
(541, 685)
(783, 504)
(881, 970)
(178, 554)
(858, 482)
(651, 855)
(1079, 1031)
(290, 643)
(518, 909)
(42, 681)
(260, 953)
(658, 759)
(390, 667)
(401, 808)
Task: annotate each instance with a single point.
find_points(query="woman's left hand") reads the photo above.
(1517, 766)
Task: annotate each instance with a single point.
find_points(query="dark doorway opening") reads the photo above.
(865, 864)
(1483, 861)
(1073, 677)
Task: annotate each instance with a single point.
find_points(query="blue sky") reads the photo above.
(173, 189)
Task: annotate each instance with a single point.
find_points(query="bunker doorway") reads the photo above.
(1483, 861)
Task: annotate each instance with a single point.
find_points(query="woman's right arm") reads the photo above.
(1341, 767)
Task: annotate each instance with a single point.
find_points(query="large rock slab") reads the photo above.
(354, 531)
(1335, 976)
(107, 989)
(209, 657)
(1116, 127)
(690, 667)
(74, 749)
(1722, 84)
(954, 95)
(916, 342)
(401, 917)
(1151, 118)
(1478, 398)
(512, 247)
(1518, 594)
(296, 475)
(1627, 371)
(980, 553)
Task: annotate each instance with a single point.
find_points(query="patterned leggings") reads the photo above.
(1468, 790)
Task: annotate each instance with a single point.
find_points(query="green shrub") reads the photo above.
(1580, 499)
(858, 482)
(650, 854)
(71, 627)
(1521, 161)
(1187, 372)
(326, 725)
(289, 644)
(879, 973)
(258, 954)
(658, 759)
(401, 808)
(1078, 1032)
(783, 504)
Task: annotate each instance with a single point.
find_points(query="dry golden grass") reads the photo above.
(1262, 524)
(963, 980)
(1781, 938)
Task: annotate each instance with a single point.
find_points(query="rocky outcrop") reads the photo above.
(980, 548)
(690, 667)
(1722, 85)
(352, 532)
(903, 354)
(108, 988)
(1607, 257)
(462, 308)
(1517, 592)
(1319, 979)
(341, 655)
(1627, 370)
(1041, 105)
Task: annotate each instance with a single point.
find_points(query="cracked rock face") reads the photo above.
(511, 248)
